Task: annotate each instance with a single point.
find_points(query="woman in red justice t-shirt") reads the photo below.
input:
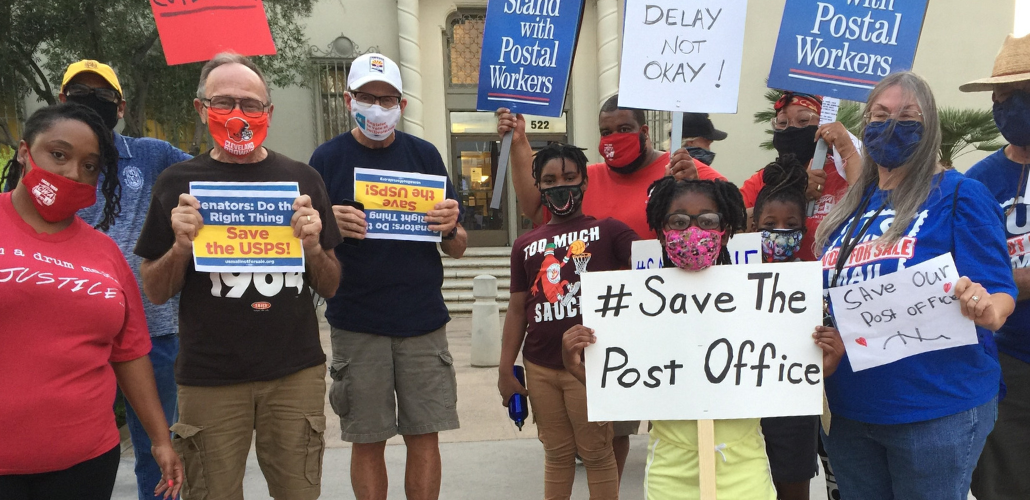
(73, 321)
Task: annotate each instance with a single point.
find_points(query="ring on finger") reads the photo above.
(309, 218)
(975, 298)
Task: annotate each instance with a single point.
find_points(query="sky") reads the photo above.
(1022, 18)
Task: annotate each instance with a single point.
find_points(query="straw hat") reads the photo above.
(1011, 65)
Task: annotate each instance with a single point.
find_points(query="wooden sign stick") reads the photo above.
(706, 458)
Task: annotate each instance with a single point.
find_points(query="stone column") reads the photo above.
(607, 49)
(411, 61)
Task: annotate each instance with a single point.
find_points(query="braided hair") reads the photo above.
(557, 150)
(786, 180)
(724, 194)
(45, 118)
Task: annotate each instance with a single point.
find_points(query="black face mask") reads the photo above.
(107, 110)
(637, 164)
(702, 154)
(799, 142)
(562, 200)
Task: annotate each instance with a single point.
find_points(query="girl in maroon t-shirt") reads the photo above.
(546, 264)
(73, 319)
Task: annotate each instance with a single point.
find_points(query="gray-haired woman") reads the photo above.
(915, 427)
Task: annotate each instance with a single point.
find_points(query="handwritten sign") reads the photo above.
(902, 314)
(527, 54)
(842, 48)
(396, 203)
(726, 342)
(246, 227)
(196, 30)
(682, 55)
(744, 248)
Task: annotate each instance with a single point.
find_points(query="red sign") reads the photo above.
(196, 30)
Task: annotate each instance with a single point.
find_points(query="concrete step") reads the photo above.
(475, 262)
(487, 252)
(460, 309)
(464, 273)
(466, 284)
(466, 296)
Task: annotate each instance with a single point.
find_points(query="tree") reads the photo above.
(39, 39)
(965, 128)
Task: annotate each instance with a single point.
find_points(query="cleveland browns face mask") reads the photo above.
(237, 134)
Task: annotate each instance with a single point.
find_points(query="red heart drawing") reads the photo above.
(861, 341)
(947, 287)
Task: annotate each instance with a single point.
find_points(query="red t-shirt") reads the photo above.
(624, 197)
(543, 266)
(835, 189)
(69, 306)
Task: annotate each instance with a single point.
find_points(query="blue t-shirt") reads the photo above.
(1007, 181)
(140, 161)
(938, 383)
(387, 287)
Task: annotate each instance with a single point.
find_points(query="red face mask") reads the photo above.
(619, 150)
(56, 197)
(237, 134)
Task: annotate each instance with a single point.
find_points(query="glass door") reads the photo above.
(474, 176)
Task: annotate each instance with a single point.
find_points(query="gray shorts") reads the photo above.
(368, 370)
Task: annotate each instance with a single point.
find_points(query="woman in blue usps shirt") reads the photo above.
(914, 428)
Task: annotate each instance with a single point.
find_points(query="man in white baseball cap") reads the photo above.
(392, 371)
(1003, 471)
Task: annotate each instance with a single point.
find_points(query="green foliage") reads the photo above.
(967, 130)
(849, 114)
(39, 39)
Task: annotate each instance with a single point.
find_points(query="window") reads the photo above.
(659, 125)
(332, 117)
(464, 43)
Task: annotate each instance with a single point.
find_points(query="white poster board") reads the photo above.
(744, 248)
(901, 314)
(727, 342)
(682, 55)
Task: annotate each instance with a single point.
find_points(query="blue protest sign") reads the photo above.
(842, 48)
(528, 47)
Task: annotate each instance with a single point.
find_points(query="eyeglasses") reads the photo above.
(223, 105)
(386, 101)
(882, 115)
(802, 120)
(679, 221)
(80, 90)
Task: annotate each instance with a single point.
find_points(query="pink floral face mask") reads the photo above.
(693, 248)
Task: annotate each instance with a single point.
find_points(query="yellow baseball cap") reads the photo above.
(91, 66)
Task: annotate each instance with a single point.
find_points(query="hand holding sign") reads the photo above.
(306, 223)
(186, 223)
(977, 304)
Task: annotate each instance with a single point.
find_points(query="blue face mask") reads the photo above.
(891, 143)
(1013, 118)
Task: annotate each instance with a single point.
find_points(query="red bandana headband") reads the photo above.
(812, 102)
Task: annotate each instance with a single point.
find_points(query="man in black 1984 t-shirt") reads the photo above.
(250, 358)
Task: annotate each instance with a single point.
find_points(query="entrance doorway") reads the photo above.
(475, 152)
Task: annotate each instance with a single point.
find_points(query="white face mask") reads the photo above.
(376, 122)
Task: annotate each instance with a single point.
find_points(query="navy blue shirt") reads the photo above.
(387, 287)
(140, 161)
(1007, 181)
(938, 383)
